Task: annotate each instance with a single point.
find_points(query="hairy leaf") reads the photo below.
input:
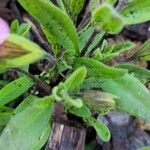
(75, 79)
(101, 129)
(5, 114)
(55, 23)
(83, 111)
(60, 93)
(141, 73)
(133, 97)
(122, 46)
(91, 83)
(98, 38)
(14, 89)
(18, 51)
(136, 12)
(26, 127)
(98, 69)
(108, 19)
(76, 6)
(144, 51)
(84, 35)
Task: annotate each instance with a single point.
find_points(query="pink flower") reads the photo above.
(4, 30)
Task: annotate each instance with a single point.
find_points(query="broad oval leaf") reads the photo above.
(101, 129)
(55, 23)
(136, 11)
(14, 89)
(98, 69)
(18, 51)
(133, 97)
(108, 19)
(75, 79)
(26, 127)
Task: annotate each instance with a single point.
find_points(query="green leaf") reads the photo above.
(108, 19)
(101, 129)
(98, 38)
(5, 114)
(55, 23)
(98, 69)
(84, 35)
(133, 96)
(141, 73)
(18, 51)
(22, 29)
(43, 138)
(83, 111)
(144, 148)
(26, 127)
(60, 93)
(144, 51)
(94, 4)
(45, 133)
(14, 89)
(112, 2)
(14, 26)
(75, 79)
(122, 46)
(27, 101)
(91, 83)
(76, 6)
(136, 12)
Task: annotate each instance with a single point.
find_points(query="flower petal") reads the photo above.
(4, 30)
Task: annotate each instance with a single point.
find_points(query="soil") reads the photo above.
(127, 132)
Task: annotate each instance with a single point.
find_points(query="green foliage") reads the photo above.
(101, 129)
(98, 69)
(145, 148)
(80, 77)
(76, 6)
(25, 127)
(17, 51)
(111, 1)
(139, 72)
(84, 36)
(14, 89)
(83, 111)
(55, 28)
(5, 114)
(22, 29)
(133, 97)
(144, 51)
(107, 51)
(74, 81)
(136, 12)
(122, 46)
(108, 19)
